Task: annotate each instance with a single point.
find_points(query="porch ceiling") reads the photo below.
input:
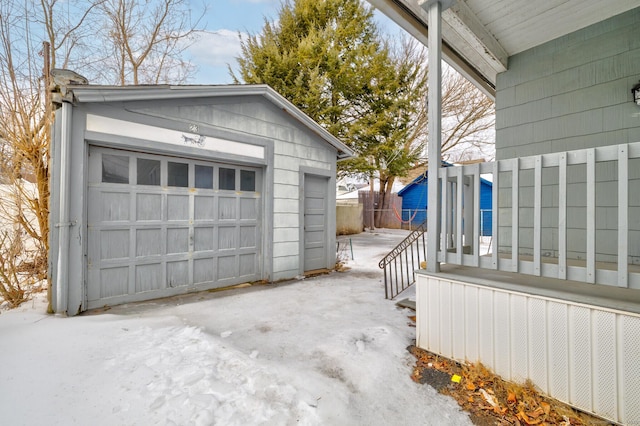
(480, 35)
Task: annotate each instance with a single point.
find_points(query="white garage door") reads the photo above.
(161, 225)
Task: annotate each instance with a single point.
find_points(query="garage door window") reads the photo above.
(204, 177)
(115, 169)
(148, 172)
(227, 179)
(247, 180)
(178, 174)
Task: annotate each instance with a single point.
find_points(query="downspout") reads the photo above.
(62, 272)
(434, 149)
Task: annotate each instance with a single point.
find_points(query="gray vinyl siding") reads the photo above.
(572, 93)
(289, 158)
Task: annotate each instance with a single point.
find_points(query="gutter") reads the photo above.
(62, 271)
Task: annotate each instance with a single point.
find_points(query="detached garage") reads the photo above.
(162, 190)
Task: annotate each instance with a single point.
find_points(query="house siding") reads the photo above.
(571, 93)
(581, 354)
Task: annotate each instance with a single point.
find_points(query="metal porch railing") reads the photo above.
(401, 262)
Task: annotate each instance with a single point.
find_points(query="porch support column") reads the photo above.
(434, 149)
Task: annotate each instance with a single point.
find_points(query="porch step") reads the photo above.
(407, 303)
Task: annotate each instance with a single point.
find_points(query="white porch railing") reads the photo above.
(571, 215)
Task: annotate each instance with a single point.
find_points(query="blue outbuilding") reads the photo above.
(414, 202)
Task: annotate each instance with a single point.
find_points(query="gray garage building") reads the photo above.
(162, 190)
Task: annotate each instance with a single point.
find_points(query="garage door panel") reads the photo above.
(227, 208)
(177, 207)
(149, 277)
(247, 264)
(248, 209)
(227, 238)
(112, 282)
(227, 267)
(148, 242)
(177, 240)
(112, 206)
(203, 238)
(114, 244)
(248, 236)
(148, 207)
(204, 208)
(178, 273)
(203, 270)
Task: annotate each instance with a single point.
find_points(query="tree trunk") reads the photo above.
(384, 198)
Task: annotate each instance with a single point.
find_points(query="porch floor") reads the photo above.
(622, 299)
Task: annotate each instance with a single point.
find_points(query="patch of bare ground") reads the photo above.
(489, 399)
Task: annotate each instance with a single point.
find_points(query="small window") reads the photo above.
(177, 174)
(148, 172)
(204, 177)
(247, 180)
(115, 168)
(227, 179)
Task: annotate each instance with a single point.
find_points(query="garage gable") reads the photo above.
(223, 106)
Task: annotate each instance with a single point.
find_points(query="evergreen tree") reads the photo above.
(329, 59)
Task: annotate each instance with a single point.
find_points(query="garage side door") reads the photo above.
(315, 222)
(159, 226)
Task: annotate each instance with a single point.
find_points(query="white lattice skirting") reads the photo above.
(586, 356)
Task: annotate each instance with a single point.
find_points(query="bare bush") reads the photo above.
(11, 279)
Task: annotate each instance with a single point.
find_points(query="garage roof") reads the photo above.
(90, 93)
(480, 35)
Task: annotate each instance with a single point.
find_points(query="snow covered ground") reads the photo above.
(328, 350)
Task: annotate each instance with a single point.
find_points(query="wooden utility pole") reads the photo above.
(48, 120)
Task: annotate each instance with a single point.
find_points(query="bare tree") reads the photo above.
(25, 140)
(468, 118)
(151, 38)
(147, 40)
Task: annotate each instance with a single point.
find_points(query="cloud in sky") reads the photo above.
(217, 48)
(212, 52)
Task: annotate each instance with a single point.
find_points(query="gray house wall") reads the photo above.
(572, 92)
(568, 94)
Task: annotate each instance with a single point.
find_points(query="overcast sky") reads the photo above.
(219, 45)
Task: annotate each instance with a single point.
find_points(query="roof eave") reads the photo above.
(477, 58)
